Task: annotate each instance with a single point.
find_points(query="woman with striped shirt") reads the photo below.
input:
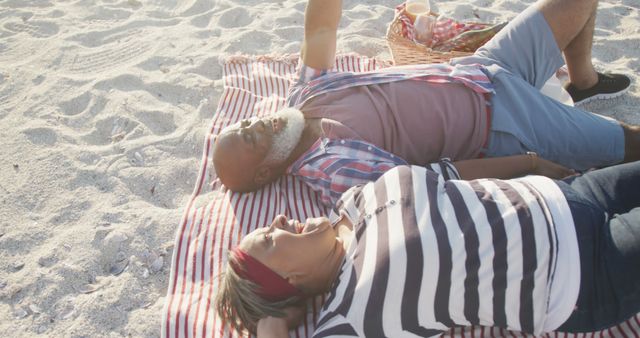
(416, 253)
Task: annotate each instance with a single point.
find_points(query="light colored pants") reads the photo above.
(519, 60)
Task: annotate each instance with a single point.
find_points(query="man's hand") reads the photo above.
(510, 167)
(551, 169)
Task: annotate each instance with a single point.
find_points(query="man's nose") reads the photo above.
(245, 123)
(257, 125)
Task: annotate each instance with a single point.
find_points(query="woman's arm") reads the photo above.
(272, 327)
(510, 167)
(276, 327)
(321, 21)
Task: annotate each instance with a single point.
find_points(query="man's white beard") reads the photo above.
(286, 140)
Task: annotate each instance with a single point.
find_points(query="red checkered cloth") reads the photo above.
(450, 35)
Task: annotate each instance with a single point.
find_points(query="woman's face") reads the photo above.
(293, 249)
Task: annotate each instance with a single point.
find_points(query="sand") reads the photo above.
(103, 109)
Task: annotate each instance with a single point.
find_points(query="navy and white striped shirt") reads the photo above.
(430, 254)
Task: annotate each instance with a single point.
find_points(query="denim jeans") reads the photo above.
(605, 205)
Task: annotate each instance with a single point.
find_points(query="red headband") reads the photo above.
(272, 287)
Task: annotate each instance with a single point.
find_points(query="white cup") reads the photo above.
(423, 27)
(414, 8)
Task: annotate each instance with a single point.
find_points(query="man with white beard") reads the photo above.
(266, 146)
(356, 126)
(285, 141)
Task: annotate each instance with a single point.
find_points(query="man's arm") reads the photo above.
(510, 167)
(320, 30)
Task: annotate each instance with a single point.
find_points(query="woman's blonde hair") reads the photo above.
(238, 303)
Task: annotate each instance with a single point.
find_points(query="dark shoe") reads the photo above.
(609, 86)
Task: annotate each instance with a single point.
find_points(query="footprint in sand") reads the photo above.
(37, 29)
(18, 49)
(76, 105)
(88, 158)
(94, 179)
(112, 250)
(73, 211)
(260, 41)
(161, 189)
(56, 13)
(13, 89)
(41, 136)
(191, 7)
(111, 130)
(108, 15)
(289, 33)
(202, 21)
(159, 123)
(112, 56)
(234, 17)
(209, 68)
(166, 92)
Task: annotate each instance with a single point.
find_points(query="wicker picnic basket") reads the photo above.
(405, 51)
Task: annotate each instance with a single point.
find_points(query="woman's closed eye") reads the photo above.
(267, 237)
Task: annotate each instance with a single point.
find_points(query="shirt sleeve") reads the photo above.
(304, 75)
(445, 168)
(355, 172)
(334, 325)
(333, 176)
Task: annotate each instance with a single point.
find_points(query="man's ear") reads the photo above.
(262, 176)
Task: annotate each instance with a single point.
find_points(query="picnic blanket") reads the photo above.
(215, 219)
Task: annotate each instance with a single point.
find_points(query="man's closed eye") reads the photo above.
(247, 136)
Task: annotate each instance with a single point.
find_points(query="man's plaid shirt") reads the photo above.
(330, 167)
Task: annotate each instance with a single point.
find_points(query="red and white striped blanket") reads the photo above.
(215, 219)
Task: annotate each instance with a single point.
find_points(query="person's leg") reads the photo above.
(631, 142)
(525, 120)
(609, 245)
(609, 275)
(573, 23)
(531, 46)
(525, 48)
(616, 189)
(526, 53)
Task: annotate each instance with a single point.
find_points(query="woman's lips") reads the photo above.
(310, 225)
(315, 224)
(299, 227)
(296, 226)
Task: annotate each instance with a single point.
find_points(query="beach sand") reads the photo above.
(103, 108)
